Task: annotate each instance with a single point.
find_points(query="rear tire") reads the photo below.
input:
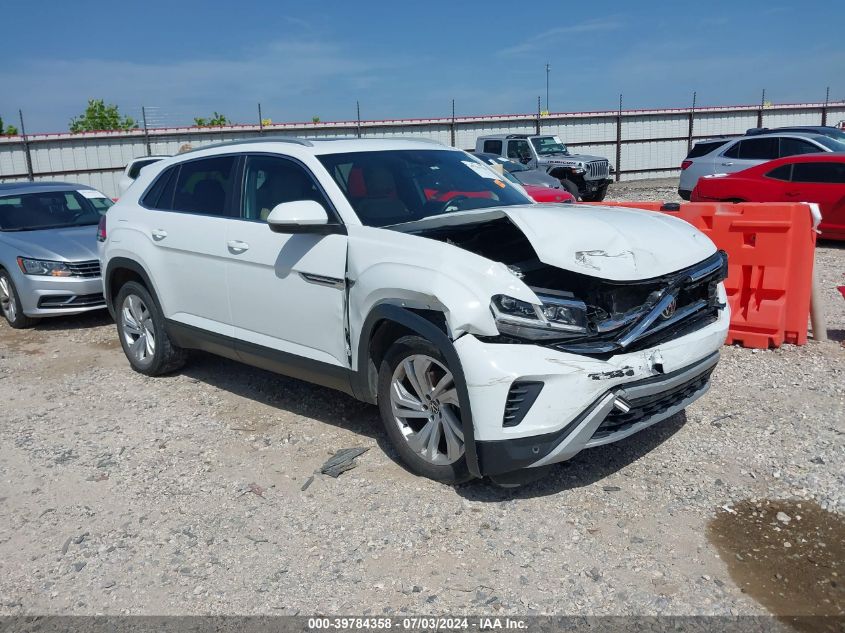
(10, 304)
(142, 332)
(418, 402)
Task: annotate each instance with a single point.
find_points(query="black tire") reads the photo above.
(598, 196)
(405, 347)
(13, 311)
(571, 187)
(165, 357)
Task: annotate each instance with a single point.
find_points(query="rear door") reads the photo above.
(190, 210)
(824, 183)
(287, 292)
(747, 153)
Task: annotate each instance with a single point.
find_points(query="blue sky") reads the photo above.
(408, 59)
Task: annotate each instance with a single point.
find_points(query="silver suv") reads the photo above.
(585, 177)
(729, 155)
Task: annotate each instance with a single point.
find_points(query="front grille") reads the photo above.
(598, 170)
(648, 406)
(71, 301)
(697, 305)
(85, 269)
(520, 399)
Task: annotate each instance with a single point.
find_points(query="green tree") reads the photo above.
(99, 116)
(8, 130)
(215, 119)
(315, 119)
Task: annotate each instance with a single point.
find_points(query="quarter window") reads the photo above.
(780, 173)
(160, 195)
(830, 173)
(204, 186)
(271, 180)
(493, 147)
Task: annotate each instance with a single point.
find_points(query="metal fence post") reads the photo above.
(260, 121)
(358, 110)
(760, 111)
(538, 114)
(29, 171)
(619, 141)
(824, 108)
(146, 132)
(452, 125)
(691, 123)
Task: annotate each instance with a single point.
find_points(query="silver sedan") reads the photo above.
(48, 250)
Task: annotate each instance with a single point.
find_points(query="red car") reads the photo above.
(548, 194)
(804, 178)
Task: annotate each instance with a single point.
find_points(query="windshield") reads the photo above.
(398, 186)
(548, 145)
(831, 143)
(52, 210)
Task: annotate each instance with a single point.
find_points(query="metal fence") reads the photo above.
(639, 143)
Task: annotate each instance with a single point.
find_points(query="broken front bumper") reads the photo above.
(563, 402)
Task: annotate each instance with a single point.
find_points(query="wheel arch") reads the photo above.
(386, 323)
(119, 271)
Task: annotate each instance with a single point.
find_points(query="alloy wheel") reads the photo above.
(138, 329)
(424, 403)
(7, 299)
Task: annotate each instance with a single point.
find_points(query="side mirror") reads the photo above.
(301, 216)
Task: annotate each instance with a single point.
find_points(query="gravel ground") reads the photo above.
(128, 495)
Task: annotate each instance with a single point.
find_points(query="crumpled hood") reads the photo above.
(78, 243)
(613, 243)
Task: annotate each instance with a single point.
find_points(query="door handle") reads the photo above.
(237, 247)
(793, 194)
(158, 234)
(726, 164)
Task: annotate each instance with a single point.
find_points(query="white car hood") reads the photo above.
(613, 243)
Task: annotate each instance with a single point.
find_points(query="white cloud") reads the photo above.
(558, 37)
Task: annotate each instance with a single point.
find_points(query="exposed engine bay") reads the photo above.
(620, 315)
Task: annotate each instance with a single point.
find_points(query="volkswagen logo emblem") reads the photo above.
(670, 309)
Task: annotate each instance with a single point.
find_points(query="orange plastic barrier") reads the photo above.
(770, 249)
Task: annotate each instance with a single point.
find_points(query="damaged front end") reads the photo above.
(584, 314)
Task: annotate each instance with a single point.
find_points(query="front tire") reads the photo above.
(420, 408)
(571, 187)
(598, 196)
(141, 328)
(10, 304)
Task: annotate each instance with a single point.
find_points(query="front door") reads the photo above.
(287, 292)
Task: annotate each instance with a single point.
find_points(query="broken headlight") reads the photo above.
(554, 318)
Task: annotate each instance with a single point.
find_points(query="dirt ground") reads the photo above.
(123, 494)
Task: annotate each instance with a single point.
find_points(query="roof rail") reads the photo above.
(262, 139)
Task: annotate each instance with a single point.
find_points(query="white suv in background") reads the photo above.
(493, 333)
(133, 170)
(727, 156)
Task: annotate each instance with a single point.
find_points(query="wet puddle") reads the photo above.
(787, 555)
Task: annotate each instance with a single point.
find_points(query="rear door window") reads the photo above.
(763, 148)
(205, 186)
(829, 173)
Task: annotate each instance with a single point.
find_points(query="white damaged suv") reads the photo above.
(494, 334)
